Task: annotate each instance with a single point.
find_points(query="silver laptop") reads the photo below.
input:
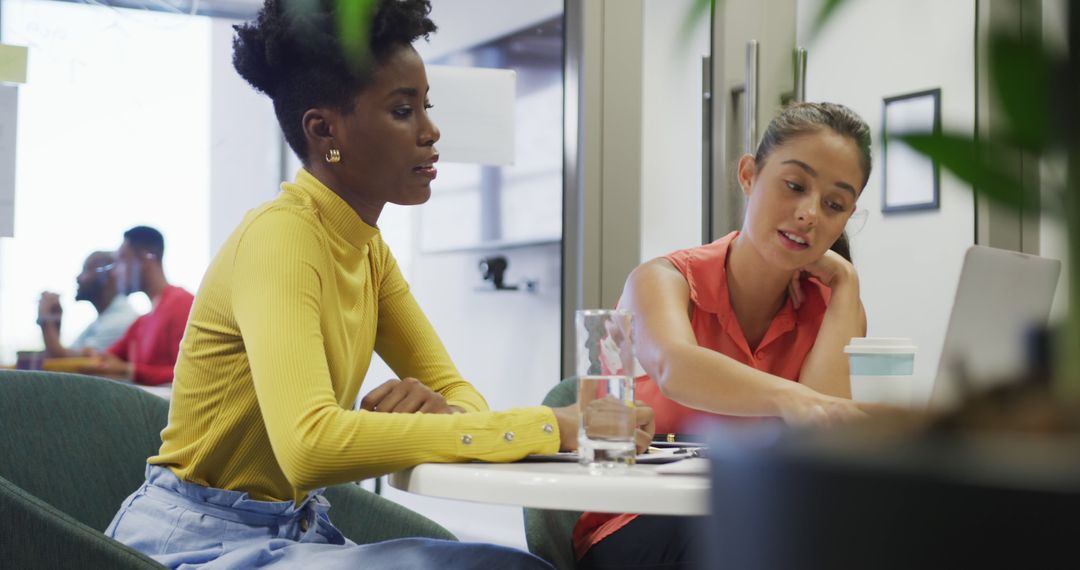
(1001, 296)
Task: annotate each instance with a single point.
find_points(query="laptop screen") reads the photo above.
(1001, 297)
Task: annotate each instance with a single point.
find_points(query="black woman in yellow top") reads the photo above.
(290, 312)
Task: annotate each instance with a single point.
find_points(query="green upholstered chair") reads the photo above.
(548, 532)
(73, 447)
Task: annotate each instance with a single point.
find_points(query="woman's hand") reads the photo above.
(832, 270)
(49, 308)
(646, 426)
(814, 409)
(406, 396)
(109, 366)
(568, 418)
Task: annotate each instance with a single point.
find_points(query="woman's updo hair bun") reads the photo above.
(802, 118)
(249, 54)
(293, 53)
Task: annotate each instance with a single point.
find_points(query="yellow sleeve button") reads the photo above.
(466, 439)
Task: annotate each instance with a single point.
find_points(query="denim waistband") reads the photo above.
(235, 506)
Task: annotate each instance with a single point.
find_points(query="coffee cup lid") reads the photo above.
(880, 345)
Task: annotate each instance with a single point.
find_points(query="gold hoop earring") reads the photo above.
(333, 156)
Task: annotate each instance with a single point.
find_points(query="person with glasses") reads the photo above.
(147, 352)
(97, 286)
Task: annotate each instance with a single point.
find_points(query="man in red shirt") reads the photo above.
(147, 352)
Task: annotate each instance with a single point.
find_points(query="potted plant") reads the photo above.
(994, 482)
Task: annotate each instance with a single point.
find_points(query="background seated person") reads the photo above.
(96, 285)
(147, 352)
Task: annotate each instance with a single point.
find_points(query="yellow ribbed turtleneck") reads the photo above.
(279, 340)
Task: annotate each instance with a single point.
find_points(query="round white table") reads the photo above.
(560, 486)
(162, 391)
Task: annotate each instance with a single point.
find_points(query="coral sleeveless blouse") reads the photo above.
(781, 352)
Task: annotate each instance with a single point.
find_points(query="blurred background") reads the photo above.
(626, 118)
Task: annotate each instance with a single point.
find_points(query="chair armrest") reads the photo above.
(365, 517)
(37, 535)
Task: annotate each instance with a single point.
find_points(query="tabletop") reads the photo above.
(563, 486)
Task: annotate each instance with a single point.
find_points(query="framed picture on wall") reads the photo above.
(911, 180)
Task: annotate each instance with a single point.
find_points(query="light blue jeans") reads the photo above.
(184, 525)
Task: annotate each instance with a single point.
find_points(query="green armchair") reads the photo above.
(547, 532)
(73, 447)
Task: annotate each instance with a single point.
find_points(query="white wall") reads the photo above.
(505, 342)
(909, 264)
(245, 141)
(465, 23)
(671, 128)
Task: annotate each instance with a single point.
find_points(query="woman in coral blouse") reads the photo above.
(752, 325)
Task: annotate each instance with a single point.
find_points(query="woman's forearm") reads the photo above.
(826, 367)
(692, 375)
(704, 379)
(50, 332)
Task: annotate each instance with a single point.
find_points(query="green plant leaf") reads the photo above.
(981, 164)
(825, 13)
(700, 9)
(354, 31)
(1020, 74)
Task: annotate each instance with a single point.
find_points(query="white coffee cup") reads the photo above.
(881, 370)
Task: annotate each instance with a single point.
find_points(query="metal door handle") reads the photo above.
(706, 149)
(800, 75)
(751, 95)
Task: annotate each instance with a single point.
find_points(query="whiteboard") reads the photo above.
(474, 110)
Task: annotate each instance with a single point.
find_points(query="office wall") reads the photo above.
(671, 127)
(466, 23)
(505, 342)
(909, 264)
(245, 141)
